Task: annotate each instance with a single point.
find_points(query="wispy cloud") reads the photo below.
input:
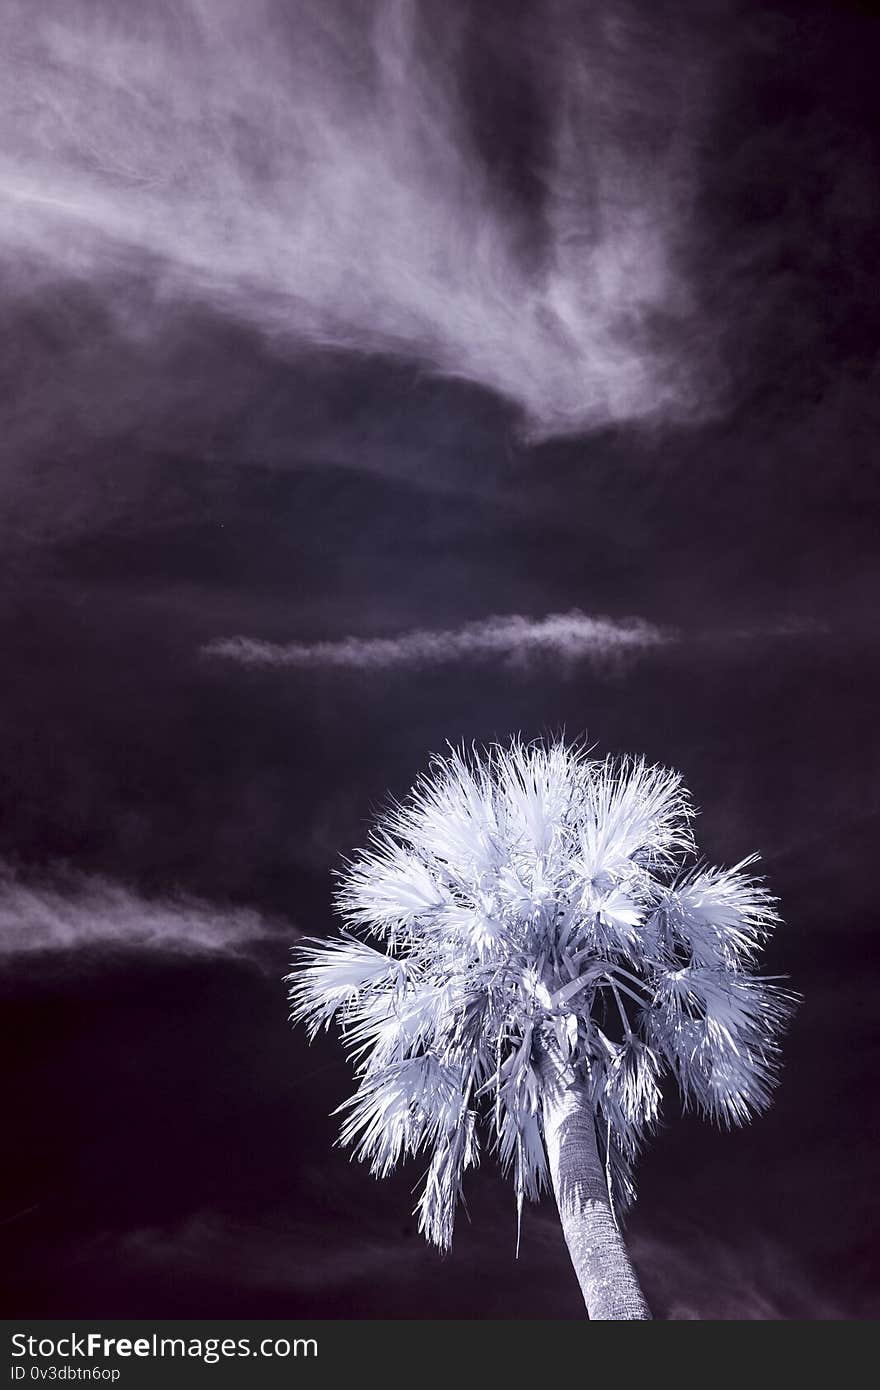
(73, 910)
(700, 1278)
(691, 1275)
(253, 1256)
(782, 628)
(317, 170)
(568, 637)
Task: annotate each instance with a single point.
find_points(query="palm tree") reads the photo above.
(530, 945)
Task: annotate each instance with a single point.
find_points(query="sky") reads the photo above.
(376, 375)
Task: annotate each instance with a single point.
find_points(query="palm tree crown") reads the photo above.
(530, 897)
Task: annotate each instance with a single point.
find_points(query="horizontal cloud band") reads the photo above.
(76, 910)
(569, 636)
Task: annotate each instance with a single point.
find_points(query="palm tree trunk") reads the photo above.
(601, 1262)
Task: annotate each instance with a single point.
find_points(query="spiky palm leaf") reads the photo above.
(532, 893)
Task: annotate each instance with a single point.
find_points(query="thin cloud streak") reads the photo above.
(75, 911)
(569, 637)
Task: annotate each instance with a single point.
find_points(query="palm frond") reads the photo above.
(718, 1030)
(723, 916)
(387, 889)
(635, 813)
(454, 1153)
(329, 974)
(402, 1108)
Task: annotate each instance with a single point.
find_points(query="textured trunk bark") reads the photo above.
(600, 1258)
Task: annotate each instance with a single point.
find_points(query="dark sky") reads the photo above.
(380, 337)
